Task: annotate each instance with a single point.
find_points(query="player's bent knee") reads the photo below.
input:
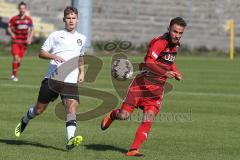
(16, 58)
(123, 115)
(149, 116)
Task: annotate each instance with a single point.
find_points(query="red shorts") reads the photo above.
(143, 94)
(18, 49)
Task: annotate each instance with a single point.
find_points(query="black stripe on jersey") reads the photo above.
(172, 53)
(164, 61)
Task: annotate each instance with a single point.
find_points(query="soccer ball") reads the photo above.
(122, 69)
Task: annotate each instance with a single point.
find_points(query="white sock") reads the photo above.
(71, 131)
(71, 125)
(29, 115)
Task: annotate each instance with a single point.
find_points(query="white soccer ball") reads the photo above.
(122, 69)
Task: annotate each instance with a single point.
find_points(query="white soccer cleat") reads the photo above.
(15, 79)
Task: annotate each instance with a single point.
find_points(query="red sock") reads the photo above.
(141, 134)
(113, 114)
(15, 68)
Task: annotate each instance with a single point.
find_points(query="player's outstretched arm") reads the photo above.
(81, 69)
(157, 68)
(45, 55)
(30, 35)
(178, 75)
(11, 32)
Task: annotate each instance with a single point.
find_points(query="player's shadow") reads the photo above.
(103, 147)
(35, 144)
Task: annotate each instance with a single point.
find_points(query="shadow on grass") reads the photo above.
(102, 147)
(35, 144)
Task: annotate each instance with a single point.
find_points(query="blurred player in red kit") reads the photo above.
(20, 28)
(147, 88)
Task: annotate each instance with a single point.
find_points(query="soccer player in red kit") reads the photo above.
(147, 88)
(20, 28)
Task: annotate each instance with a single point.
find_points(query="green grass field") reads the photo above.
(199, 119)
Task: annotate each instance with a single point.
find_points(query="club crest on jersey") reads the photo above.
(79, 42)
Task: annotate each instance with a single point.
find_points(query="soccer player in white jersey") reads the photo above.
(60, 47)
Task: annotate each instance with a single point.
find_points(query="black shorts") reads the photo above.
(47, 94)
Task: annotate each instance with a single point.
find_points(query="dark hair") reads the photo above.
(69, 9)
(179, 21)
(22, 4)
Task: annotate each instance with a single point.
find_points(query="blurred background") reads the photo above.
(199, 119)
(138, 20)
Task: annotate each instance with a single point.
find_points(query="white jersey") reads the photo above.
(67, 46)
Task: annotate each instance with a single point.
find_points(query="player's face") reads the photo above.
(176, 32)
(22, 9)
(71, 21)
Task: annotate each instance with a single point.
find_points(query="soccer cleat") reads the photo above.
(20, 128)
(73, 142)
(135, 153)
(106, 122)
(15, 79)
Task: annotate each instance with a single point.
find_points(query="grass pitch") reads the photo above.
(199, 119)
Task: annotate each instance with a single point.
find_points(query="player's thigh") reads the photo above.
(22, 50)
(15, 49)
(46, 95)
(151, 107)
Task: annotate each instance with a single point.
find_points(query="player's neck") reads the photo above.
(22, 16)
(72, 31)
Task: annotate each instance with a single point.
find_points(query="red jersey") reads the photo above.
(161, 52)
(20, 28)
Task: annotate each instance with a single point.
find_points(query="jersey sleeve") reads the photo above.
(154, 50)
(48, 44)
(152, 56)
(11, 22)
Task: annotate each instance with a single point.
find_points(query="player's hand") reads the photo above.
(178, 76)
(170, 74)
(81, 78)
(29, 41)
(58, 59)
